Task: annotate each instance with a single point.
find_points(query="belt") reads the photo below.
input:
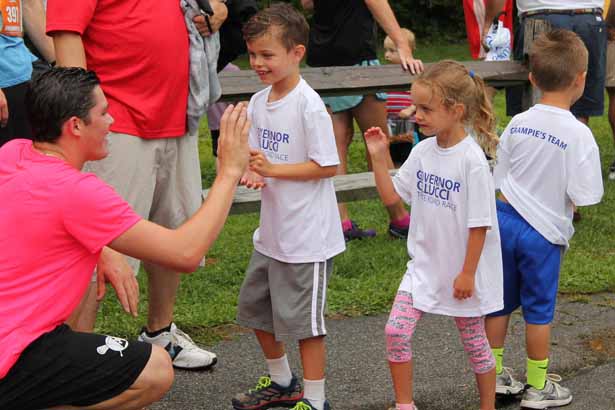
(596, 11)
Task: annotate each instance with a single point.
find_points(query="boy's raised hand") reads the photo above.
(260, 164)
(252, 180)
(376, 140)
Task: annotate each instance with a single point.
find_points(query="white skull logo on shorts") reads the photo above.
(113, 343)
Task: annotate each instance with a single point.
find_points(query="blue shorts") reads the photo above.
(591, 28)
(531, 268)
(347, 102)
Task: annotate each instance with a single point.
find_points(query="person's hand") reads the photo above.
(408, 62)
(215, 21)
(4, 110)
(377, 141)
(233, 149)
(260, 164)
(252, 180)
(113, 268)
(407, 112)
(463, 286)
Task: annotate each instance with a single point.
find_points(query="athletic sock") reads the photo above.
(314, 391)
(346, 224)
(157, 332)
(402, 222)
(537, 373)
(498, 353)
(399, 406)
(279, 371)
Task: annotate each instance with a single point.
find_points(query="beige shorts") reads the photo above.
(160, 178)
(610, 65)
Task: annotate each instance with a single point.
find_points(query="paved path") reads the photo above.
(583, 352)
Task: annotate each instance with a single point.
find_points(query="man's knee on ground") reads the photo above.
(157, 376)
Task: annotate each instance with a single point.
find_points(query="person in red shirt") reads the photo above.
(140, 51)
(57, 224)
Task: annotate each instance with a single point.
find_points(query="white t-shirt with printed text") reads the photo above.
(548, 161)
(450, 190)
(531, 5)
(299, 220)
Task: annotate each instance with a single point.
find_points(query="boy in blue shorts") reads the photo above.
(548, 163)
(293, 157)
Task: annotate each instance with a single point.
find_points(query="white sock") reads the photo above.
(279, 371)
(314, 391)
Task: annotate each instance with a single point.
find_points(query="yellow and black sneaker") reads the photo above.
(268, 394)
(306, 405)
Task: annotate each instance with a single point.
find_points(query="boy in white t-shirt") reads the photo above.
(548, 163)
(293, 157)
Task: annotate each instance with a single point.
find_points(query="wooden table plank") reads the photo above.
(348, 188)
(330, 81)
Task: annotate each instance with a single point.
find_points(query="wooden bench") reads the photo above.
(348, 188)
(332, 81)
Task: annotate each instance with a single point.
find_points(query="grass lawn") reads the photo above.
(367, 275)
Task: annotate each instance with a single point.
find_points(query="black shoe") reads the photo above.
(306, 405)
(357, 233)
(398, 232)
(268, 394)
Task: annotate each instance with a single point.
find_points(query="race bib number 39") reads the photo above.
(10, 18)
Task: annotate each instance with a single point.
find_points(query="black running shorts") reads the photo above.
(63, 367)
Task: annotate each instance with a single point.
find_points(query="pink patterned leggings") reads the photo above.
(402, 323)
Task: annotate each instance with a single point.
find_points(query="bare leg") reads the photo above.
(272, 349)
(401, 373)
(83, 317)
(611, 112)
(496, 328)
(342, 122)
(313, 357)
(537, 340)
(153, 382)
(162, 286)
(372, 113)
(486, 389)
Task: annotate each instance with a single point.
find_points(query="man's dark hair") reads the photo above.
(292, 28)
(57, 95)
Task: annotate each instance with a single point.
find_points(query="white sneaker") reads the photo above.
(506, 384)
(183, 351)
(552, 395)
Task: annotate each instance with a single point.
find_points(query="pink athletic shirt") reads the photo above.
(54, 221)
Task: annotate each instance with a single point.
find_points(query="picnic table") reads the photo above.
(332, 81)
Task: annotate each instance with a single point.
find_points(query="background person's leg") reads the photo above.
(372, 113)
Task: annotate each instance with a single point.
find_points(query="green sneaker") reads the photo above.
(305, 404)
(268, 394)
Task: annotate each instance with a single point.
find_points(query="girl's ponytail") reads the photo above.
(483, 120)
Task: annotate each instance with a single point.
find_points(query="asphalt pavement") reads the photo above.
(583, 353)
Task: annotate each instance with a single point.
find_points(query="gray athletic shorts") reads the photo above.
(285, 299)
(160, 178)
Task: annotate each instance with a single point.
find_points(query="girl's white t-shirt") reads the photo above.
(299, 220)
(450, 190)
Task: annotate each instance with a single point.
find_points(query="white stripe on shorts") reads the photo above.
(315, 301)
(324, 296)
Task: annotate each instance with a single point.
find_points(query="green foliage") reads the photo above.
(427, 18)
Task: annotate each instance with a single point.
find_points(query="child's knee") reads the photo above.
(475, 344)
(399, 343)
